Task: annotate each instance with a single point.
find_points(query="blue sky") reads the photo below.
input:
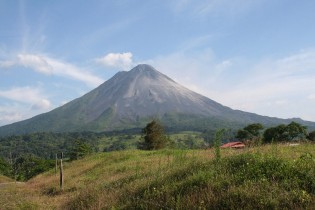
(257, 56)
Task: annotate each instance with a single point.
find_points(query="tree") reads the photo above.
(154, 137)
(290, 132)
(242, 134)
(28, 166)
(254, 129)
(79, 150)
(311, 136)
(296, 131)
(250, 131)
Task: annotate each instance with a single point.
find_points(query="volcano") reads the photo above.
(130, 99)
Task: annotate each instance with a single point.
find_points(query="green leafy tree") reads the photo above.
(249, 132)
(242, 134)
(273, 134)
(296, 131)
(28, 166)
(79, 150)
(280, 133)
(254, 129)
(154, 137)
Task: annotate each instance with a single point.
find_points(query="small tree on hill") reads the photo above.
(154, 137)
(79, 150)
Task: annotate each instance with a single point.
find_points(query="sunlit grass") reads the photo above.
(270, 176)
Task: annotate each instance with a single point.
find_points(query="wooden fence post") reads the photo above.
(56, 164)
(61, 173)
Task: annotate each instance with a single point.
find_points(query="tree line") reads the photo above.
(280, 133)
(155, 138)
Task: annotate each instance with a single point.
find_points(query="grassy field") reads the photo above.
(266, 177)
(4, 179)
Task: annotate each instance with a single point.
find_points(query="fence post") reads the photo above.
(61, 173)
(56, 164)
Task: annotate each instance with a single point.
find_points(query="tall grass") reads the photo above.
(268, 177)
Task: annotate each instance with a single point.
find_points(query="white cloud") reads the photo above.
(27, 95)
(117, 60)
(37, 62)
(23, 103)
(6, 64)
(10, 113)
(42, 104)
(9, 117)
(50, 66)
(73, 72)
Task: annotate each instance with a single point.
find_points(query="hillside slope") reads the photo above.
(130, 99)
(268, 177)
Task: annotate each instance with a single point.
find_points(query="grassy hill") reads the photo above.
(266, 177)
(4, 179)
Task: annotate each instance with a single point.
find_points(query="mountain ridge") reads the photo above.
(130, 99)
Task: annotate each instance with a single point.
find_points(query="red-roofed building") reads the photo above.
(236, 145)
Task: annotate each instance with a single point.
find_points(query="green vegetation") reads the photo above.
(25, 156)
(217, 143)
(250, 132)
(265, 177)
(187, 140)
(28, 166)
(45, 145)
(282, 133)
(80, 150)
(5, 168)
(311, 136)
(154, 137)
(24, 167)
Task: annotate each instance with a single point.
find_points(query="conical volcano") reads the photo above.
(144, 92)
(130, 99)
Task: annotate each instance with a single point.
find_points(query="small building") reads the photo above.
(235, 145)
